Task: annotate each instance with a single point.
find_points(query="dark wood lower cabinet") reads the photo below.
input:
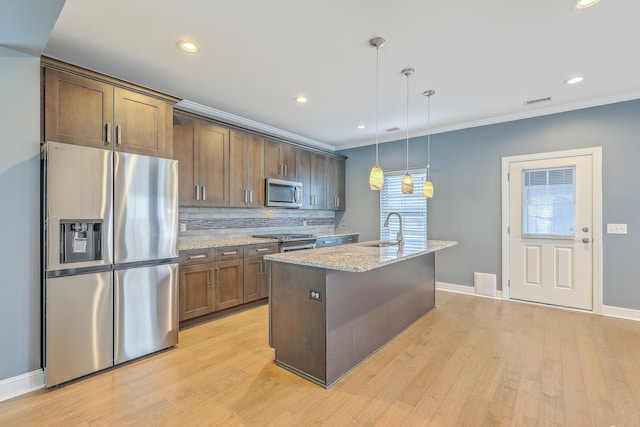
(228, 284)
(217, 279)
(256, 278)
(196, 291)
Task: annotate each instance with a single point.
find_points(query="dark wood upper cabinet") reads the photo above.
(335, 185)
(280, 161)
(95, 111)
(202, 151)
(142, 124)
(78, 110)
(246, 167)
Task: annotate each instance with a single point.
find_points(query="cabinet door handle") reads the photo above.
(118, 135)
(204, 193)
(250, 196)
(245, 196)
(107, 139)
(217, 273)
(197, 192)
(209, 277)
(282, 170)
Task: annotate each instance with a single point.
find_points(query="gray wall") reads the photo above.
(467, 206)
(20, 213)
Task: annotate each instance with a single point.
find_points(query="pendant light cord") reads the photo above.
(377, 97)
(428, 136)
(408, 74)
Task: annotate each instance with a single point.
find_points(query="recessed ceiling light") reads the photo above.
(360, 126)
(573, 80)
(301, 99)
(188, 46)
(583, 4)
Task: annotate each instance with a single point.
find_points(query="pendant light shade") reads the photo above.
(407, 184)
(407, 181)
(427, 188)
(376, 176)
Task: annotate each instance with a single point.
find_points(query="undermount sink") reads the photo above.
(382, 244)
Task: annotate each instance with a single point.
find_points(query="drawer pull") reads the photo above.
(190, 257)
(262, 250)
(229, 253)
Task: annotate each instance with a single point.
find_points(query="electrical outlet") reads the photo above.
(616, 228)
(315, 294)
(183, 227)
(304, 223)
(344, 222)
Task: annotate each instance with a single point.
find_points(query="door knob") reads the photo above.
(585, 240)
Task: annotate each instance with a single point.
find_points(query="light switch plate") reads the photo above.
(616, 228)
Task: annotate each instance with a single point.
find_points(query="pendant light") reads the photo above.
(376, 177)
(407, 181)
(427, 188)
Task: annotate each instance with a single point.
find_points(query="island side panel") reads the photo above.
(366, 310)
(298, 323)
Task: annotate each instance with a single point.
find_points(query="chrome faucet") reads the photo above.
(386, 224)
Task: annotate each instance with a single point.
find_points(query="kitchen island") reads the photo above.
(331, 308)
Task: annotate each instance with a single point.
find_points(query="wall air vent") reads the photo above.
(392, 129)
(537, 101)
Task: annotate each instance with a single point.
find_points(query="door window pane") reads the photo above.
(549, 202)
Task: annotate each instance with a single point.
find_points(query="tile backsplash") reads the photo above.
(225, 223)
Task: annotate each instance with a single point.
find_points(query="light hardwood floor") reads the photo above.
(469, 362)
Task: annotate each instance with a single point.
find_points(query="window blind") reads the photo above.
(549, 202)
(412, 207)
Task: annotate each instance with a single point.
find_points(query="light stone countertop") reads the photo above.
(202, 244)
(357, 257)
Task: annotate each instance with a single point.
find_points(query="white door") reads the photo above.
(550, 231)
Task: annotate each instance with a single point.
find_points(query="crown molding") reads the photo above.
(613, 99)
(248, 124)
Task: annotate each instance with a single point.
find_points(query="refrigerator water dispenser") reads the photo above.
(80, 240)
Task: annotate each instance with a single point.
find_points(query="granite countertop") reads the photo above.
(357, 257)
(202, 244)
(218, 243)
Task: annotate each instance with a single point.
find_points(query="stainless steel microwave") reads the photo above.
(284, 194)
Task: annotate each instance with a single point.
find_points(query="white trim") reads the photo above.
(607, 310)
(613, 99)
(21, 384)
(596, 155)
(251, 124)
(620, 312)
(462, 289)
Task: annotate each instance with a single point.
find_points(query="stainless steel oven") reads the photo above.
(292, 242)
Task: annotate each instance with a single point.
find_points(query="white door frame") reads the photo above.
(596, 153)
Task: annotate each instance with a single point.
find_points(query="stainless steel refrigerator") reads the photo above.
(110, 279)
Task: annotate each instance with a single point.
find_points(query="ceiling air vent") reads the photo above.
(537, 101)
(391, 129)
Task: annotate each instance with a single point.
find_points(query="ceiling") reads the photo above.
(483, 59)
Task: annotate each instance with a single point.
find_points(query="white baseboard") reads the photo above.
(607, 310)
(21, 384)
(623, 313)
(461, 289)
